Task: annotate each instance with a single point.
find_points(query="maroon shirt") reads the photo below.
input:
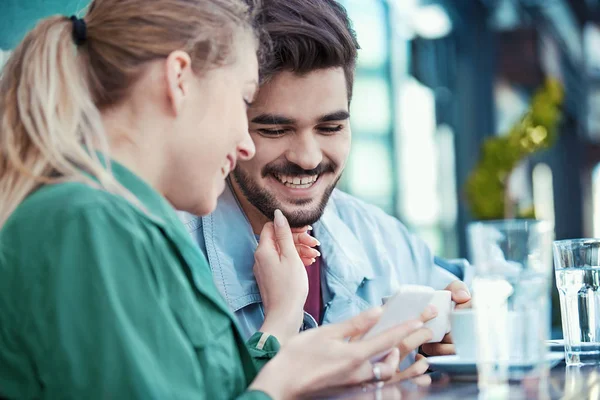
(314, 300)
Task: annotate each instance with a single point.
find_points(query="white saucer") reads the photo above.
(455, 366)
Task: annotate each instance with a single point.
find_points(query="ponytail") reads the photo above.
(50, 128)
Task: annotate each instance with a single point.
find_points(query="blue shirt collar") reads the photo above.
(230, 245)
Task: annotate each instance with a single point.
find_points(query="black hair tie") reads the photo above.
(79, 30)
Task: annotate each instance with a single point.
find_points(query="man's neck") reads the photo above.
(256, 218)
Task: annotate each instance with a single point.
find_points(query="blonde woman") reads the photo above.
(106, 124)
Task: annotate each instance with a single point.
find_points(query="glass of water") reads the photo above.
(511, 298)
(577, 267)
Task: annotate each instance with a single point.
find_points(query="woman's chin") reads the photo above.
(210, 202)
(200, 202)
(204, 209)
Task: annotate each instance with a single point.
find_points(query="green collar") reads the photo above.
(153, 201)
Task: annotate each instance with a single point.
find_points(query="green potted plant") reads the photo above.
(487, 189)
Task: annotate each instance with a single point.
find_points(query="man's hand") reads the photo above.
(462, 298)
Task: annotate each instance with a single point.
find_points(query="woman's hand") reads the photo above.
(304, 245)
(281, 278)
(412, 343)
(323, 359)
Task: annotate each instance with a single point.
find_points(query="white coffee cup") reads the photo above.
(463, 333)
(440, 325)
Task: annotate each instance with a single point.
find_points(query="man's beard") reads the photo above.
(266, 203)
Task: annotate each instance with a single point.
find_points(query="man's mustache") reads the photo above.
(292, 169)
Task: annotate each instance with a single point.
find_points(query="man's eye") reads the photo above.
(271, 132)
(331, 129)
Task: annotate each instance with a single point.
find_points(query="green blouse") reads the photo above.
(102, 299)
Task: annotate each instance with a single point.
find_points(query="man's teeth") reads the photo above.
(297, 182)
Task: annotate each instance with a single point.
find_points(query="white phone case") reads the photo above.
(407, 304)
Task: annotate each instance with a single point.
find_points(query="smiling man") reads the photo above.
(300, 121)
(300, 124)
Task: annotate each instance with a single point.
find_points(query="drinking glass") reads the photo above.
(577, 268)
(511, 298)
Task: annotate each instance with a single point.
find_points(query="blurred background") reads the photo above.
(436, 80)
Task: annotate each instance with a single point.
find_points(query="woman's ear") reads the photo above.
(178, 72)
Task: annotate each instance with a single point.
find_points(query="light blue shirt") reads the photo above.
(366, 255)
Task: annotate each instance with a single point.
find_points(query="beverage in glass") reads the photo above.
(577, 268)
(511, 298)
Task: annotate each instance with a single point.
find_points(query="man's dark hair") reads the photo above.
(306, 35)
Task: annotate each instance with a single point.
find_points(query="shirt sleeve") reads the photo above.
(262, 347)
(105, 328)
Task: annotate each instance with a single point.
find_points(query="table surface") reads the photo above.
(563, 382)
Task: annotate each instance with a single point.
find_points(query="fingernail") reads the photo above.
(312, 261)
(318, 243)
(415, 325)
(375, 311)
(279, 218)
(318, 252)
(309, 228)
(464, 294)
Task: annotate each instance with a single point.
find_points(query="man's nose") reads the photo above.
(305, 151)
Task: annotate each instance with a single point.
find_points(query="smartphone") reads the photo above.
(407, 304)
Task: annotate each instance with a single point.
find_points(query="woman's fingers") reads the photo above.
(380, 371)
(304, 243)
(307, 255)
(393, 359)
(388, 339)
(305, 239)
(422, 380)
(267, 247)
(414, 340)
(307, 252)
(304, 228)
(283, 235)
(356, 326)
(368, 372)
(418, 368)
(308, 261)
(429, 313)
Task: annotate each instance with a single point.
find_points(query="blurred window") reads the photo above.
(400, 160)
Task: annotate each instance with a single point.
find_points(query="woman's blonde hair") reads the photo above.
(52, 91)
